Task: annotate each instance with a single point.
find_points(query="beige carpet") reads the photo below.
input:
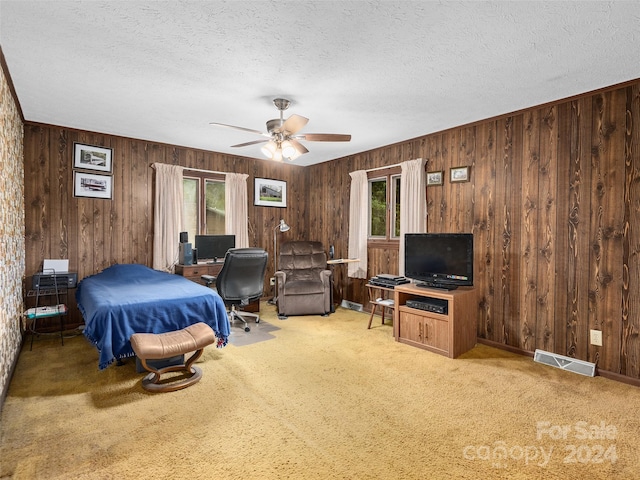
(325, 399)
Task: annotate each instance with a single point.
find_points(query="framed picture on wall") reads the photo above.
(459, 174)
(92, 186)
(89, 157)
(270, 193)
(435, 178)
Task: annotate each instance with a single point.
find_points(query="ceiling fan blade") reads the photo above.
(250, 130)
(293, 124)
(325, 137)
(255, 142)
(298, 146)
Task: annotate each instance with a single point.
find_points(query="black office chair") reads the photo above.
(241, 281)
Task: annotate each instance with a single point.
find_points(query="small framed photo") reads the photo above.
(92, 186)
(459, 174)
(89, 157)
(270, 193)
(435, 178)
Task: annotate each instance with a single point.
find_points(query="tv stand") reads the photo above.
(438, 286)
(449, 334)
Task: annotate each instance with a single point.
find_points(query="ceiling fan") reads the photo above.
(283, 139)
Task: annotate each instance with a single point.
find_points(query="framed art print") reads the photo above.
(88, 157)
(459, 174)
(270, 193)
(435, 178)
(92, 186)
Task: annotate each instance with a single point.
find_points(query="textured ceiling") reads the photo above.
(382, 71)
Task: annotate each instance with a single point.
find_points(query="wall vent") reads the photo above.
(565, 363)
(351, 305)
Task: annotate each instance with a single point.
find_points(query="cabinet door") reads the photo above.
(411, 327)
(436, 334)
(424, 331)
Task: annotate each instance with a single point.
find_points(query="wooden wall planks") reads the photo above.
(552, 202)
(553, 205)
(95, 233)
(630, 317)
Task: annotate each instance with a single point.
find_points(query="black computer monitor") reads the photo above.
(213, 247)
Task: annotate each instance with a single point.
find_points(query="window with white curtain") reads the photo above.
(384, 206)
(204, 204)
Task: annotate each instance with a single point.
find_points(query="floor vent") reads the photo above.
(565, 363)
(351, 305)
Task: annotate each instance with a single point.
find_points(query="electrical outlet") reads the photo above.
(272, 281)
(596, 337)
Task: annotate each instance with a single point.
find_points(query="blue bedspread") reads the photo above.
(127, 299)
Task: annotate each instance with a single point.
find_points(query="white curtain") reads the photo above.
(358, 227)
(236, 208)
(413, 202)
(167, 218)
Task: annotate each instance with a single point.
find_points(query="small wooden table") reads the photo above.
(343, 279)
(380, 297)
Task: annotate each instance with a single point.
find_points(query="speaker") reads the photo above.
(332, 252)
(185, 254)
(194, 256)
(184, 237)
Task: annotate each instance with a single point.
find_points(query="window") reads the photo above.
(204, 205)
(384, 206)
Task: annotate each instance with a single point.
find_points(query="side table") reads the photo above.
(343, 278)
(380, 297)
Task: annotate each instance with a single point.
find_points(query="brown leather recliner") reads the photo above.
(303, 280)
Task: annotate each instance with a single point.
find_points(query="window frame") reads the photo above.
(390, 175)
(203, 178)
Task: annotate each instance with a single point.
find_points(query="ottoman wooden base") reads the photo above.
(155, 346)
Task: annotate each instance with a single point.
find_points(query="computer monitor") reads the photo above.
(213, 248)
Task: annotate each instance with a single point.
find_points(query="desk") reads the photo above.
(195, 272)
(343, 280)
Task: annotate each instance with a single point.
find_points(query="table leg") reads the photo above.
(373, 311)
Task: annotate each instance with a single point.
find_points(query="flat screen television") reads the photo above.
(213, 248)
(439, 260)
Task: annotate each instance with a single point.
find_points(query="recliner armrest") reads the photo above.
(325, 275)
(281, 278)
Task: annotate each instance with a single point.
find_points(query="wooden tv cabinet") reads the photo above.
(449, 334)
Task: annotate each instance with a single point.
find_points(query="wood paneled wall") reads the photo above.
(554, 205)
(95, 233)
(553, 202)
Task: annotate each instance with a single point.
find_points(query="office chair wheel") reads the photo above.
(247, 329)
(257, 320)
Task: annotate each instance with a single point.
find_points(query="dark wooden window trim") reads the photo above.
(202, 178)
(387, 173)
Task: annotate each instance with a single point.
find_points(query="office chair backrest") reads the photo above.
(241, 279)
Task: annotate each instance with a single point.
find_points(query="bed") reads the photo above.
(126, 299)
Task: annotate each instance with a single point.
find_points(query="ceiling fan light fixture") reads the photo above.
(284, 137)
(269, 149)
(294, 156)
(288, 150)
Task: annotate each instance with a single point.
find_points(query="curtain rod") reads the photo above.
(386, 166)
(205, 171)
(197, 170)
(382, 168)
